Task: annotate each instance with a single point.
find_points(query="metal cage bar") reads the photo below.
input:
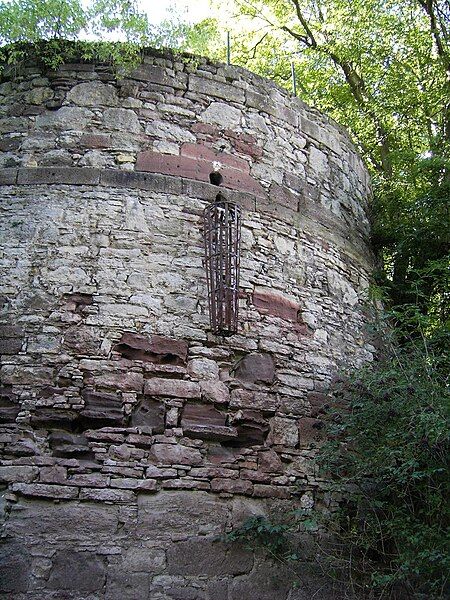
(222, 236)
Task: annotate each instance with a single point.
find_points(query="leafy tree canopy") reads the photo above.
(36, 20)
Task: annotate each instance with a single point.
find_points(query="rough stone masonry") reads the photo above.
(131, 437)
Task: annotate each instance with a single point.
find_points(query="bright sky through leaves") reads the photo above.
(158, 10)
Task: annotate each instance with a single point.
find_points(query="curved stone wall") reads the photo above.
(131, 436)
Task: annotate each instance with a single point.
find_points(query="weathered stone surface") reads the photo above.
(216, 89)
(214, 391)
(78, 571)
(11, 339)
(180, 512)
(9, 404)
(130, 381)
(319, 403)
(122, 119)
(156, 349)
(126, 483)
(201, 414)
(203, 368)
(224, 115)
(252, 428)
(270, 462)
(15, 567)
(122, 585)
(82, 339)
(169, 454)
(219, 433)
(71, 521)
(95, 140)
(43, 490)
(261, 584)
(53, 418)
(143, 181)
(278, 305)
(310, 430)
(8, 176)
(94, 93)
(150, 414)
(15, 473)
(232, 486)
(207, 557)
(64, 175)
(256, 368)
(101, 495)
(283, 431)
(175, 388)
(67, 444)
(283, 196)
(254, 400)
(101, 409)
(66, 117)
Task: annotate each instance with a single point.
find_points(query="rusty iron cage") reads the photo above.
(222, 235)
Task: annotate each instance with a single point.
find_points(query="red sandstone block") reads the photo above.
(206, 129)
(235, 135)
(202, 152)
(95, 140)
(257, 476)
(175, 388)
(276, 304)
(89, 480)
(157, 473)
(270, 462)
(45, 491)
(283, 196)
(232, 486)
(155, 348)
(214, 472)
(238, 180)
(210, 432)
(174, 454)
(143, 441)
(252, 150)
(198, 169)
(168, 164)
(54, 474)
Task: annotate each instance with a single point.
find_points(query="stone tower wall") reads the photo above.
(131, 437)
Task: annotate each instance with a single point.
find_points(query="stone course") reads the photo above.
(131, 437)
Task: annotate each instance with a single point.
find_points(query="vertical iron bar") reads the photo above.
(294, 80)
(222, 236)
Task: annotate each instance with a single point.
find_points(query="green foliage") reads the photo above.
(57, 31)
(259, 532)
(390, 446)
(36, 20)
(388, 456)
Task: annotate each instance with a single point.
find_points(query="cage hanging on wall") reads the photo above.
(222, 234)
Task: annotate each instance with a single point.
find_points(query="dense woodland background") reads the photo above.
(381, 68)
